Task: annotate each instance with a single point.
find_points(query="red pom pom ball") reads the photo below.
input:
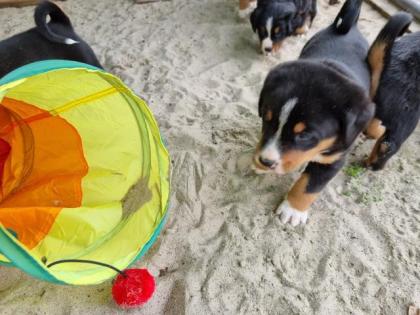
(133, 290)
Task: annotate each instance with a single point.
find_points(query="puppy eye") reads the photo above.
(304, 137)
(277, 29)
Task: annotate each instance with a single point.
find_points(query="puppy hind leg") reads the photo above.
(383, 150)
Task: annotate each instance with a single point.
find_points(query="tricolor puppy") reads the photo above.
(274, 20)
(53, 40)
(313, 109)
(395, 88)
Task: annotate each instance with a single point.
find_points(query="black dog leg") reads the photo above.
(384, 149)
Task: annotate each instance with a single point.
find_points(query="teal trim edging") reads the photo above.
(26, 263)
(6, 264)
(41, 67)
(23, 260)
(152, 240)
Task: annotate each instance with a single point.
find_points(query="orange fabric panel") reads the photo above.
(31, 225)
(43, 170)
(17, 136)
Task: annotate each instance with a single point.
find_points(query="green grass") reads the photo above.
(357, 189)
(354, 170)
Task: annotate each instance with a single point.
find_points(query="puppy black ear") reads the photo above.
(355, 121)
(289, 13)
(288, 9)
(253, 20)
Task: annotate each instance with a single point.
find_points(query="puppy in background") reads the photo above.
(53, 40)
(395, 88)
(313, 109)
(274, 20)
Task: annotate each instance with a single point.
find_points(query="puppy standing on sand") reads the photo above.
(274, 20)
(53, 40)
(395, 88)
(313, 109)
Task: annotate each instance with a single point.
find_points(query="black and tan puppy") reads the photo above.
(313, 109)
(395, 88)
(53, 40)
(274, 20)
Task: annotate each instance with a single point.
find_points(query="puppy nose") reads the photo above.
(266, 162)
(268, 49)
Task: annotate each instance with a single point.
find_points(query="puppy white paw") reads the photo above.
(289, 214)
(245, 13)
(253, 5)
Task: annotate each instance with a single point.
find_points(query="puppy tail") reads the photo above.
(379, 52)
(45, 9)
(348, 16)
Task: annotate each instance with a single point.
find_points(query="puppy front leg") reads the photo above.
(294, 208)
(244, 4)
(246, 7)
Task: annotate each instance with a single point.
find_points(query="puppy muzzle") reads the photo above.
(267, 46)
(264, 166)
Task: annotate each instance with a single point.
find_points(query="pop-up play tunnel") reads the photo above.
(84, 172)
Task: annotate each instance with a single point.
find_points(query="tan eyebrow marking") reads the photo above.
(299, 127)
(269, 115)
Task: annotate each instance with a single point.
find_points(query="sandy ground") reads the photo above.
(222, 251)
